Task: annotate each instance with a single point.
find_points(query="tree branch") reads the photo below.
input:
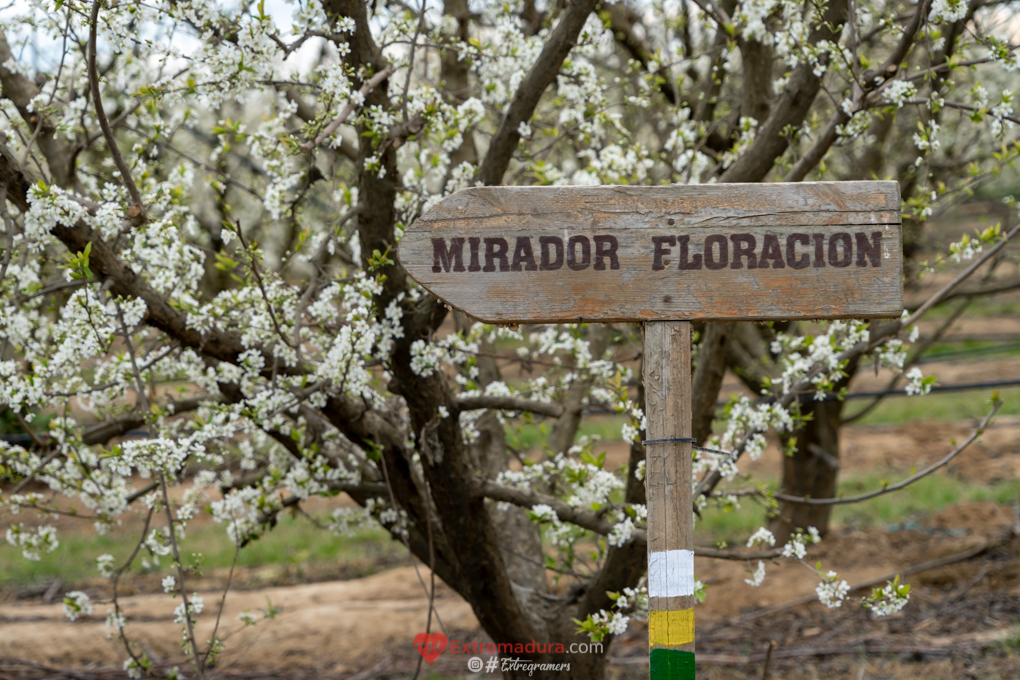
(947, 289)
(793, 106)
(529, 92)
(718, 14)
(1007, 287)
(367, 88)
(729, 554)
(565, 429)
(918, 351)
(59, 153)
(104, 123)
(802, 500)
(597, 523)
(104, 432)
(871, 81)
(123, 281)
(508, 403)
(585, 519)
(306, 113)
(877, 338)
(621, 20)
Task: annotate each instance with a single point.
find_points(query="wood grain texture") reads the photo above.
(628, 280)
(668, 471)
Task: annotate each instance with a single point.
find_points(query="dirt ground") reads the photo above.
(963, 620)
(963, 615)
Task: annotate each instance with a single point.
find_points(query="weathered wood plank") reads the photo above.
(754, 251)
(695, 202)
(668, 474)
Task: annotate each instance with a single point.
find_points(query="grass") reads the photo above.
(915, 503)
(731, 526)
(970, 347)
(529, 436)
(296, 542)
(918, 501)
(980, 309)
(293, 541)
(947, 406)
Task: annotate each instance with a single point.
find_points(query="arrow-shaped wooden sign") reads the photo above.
(664, 256)
(717, 251)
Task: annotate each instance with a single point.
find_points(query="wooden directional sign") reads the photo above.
(714, 251)
(664, 256)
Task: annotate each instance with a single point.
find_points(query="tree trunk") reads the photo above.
(812, 471)
(583, 666)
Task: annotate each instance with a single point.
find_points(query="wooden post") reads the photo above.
(667, 376)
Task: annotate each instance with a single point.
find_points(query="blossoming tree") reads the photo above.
(201, 210)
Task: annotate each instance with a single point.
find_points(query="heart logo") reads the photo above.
(430, 646)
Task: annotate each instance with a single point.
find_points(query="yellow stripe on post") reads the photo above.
(670, 629)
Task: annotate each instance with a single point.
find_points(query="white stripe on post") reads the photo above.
(671, 573)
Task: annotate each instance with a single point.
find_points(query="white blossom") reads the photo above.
(795, 548)
(105, 565)
(757, 577)
(761, 536)
(832, 591)
(77, 604)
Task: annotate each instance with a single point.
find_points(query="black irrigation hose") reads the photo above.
(935, 388)
(934, 357)
(831, 396)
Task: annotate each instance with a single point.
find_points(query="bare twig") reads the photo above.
(313, 283)
(407, 543)
(948, 65)
(735, 555)
(104, 123)
(141, 492)
(965, 588)
(803, 500)
(142, 399)
(8, 230)
(223, 602)
(253, 265)
(529, 92)
(918, 352)
(29, 431)
(407, 87)
(199, 660)
(944, 292)
(346, 112)
(53, 94)
(967, 107)
(871, 81)
(986, 291)
(902, 573)
(768, 659)
(715, 10)
(116, 581)
(39, 468)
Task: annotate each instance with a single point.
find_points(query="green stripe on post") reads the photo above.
(671, 664)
